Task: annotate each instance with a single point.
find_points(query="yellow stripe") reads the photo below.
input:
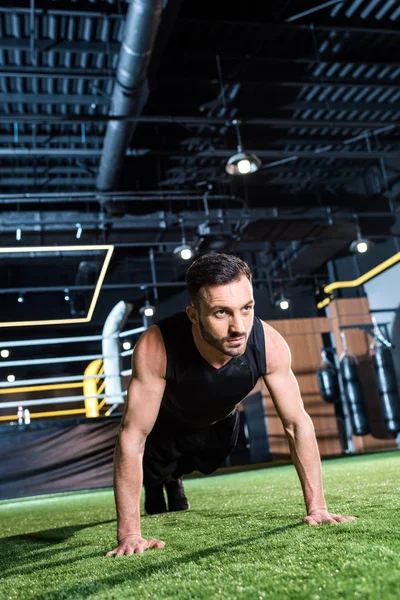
(323, 303)
(42, 388)
(368, 275)
(54, 413)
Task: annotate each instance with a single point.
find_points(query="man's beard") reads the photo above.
(218, 343)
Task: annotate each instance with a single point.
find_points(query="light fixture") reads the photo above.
(184, 250)
(242, 162)
(283, 303)
(20, 298)
(127, 345)
(18, 234)
(10, 378)
(147, 310)
(78, 231)
(67, 297)
(5, 353)
(360, 245)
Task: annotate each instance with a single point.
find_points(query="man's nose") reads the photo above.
(237, 324)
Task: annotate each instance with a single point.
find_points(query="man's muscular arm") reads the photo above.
(145, 393)
(298, 426)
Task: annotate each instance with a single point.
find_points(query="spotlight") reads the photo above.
(282, 303)
(10, 378)
(360, 245)
(78, 231)
(185, 251)
(21, 298)
(18, 234)
(127, 345)
(5, 353)
(67, 297)
(147, 310)
(242, 163)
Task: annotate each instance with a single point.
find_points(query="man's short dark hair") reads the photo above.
(214, 269)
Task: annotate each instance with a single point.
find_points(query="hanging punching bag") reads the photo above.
(354, 395)
(327, 378)
(388, 392)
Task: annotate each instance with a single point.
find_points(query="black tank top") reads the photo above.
(196, 393)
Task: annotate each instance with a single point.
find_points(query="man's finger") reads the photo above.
(310, 521)
(343, 519)
(111, 553)
(153, 543)
(120, 552)
(139, 549)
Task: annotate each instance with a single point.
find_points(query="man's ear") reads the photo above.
(193, 314)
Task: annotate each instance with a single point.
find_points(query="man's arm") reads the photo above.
(145, 392)
(298, 427)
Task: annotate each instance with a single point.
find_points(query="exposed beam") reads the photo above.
(61, 46)
(48, 181)
(201, 121)
(59, 73)
(51, 139)
(75, 99)
(274, 27)
(300, 81)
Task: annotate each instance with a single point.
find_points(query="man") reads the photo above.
(189, 373)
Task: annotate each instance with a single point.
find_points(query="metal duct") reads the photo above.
(141, 26)
(110, 346)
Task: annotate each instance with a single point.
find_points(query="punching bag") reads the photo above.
(354, 394)
(328, 382)
(388, 392)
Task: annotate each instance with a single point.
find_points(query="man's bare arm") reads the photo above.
(298, 427)
(145, 392)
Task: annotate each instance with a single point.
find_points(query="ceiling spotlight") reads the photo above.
(185, 251)
(282, 303)
(21, 298)
(242, 163)
(78, 231)
(127, 345)
(147, 310)
(67, 297)
(5, 353)
(10, 378)
(360, 245)
(18, 234)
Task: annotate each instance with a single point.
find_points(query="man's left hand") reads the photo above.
(318, 516)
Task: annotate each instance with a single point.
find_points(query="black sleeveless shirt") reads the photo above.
(196, 393)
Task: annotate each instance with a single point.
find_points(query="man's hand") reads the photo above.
(317, 516)
(134, 544)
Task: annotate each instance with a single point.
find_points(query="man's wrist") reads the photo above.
(316, 508)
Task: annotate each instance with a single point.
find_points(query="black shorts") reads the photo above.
(173, 451)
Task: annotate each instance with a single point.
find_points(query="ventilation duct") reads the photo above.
(129, 94)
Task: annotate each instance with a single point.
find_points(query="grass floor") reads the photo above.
(242, 538)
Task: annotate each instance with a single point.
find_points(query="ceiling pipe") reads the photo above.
(141, 26)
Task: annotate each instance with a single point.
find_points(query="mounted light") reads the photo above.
(282, 302)
(127, 345)
(147, 310)
(5, 353)
(20, 299)
(185, 251)
(242, 163)
(18, 234)
(10, 378)
(78, 231)
(67, 297)
(360, 245)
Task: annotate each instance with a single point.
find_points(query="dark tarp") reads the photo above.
(61, 456)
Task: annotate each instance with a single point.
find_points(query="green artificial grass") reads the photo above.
(242, 538)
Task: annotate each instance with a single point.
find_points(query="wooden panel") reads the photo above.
(304, 337)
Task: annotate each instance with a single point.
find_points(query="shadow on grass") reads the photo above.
(41, 543)
(87, 589)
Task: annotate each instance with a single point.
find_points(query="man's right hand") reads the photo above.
(134, 544)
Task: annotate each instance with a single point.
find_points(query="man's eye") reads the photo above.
(247, 307)
(220, 312)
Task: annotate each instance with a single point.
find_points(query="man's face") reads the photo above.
(226, 314)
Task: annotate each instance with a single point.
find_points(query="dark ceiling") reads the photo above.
(314, 86)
